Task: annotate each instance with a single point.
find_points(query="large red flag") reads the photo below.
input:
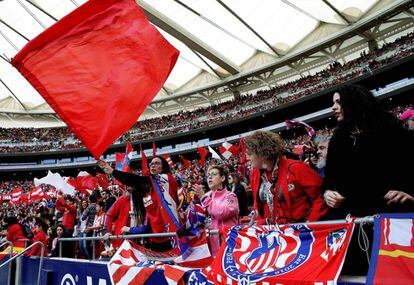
(98, 67)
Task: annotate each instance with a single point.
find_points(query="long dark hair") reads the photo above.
(362, 110)
(165, 167)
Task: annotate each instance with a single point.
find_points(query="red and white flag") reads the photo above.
(392, 258)
(37, 193)
(16, 194)
(214, 154)
(169, 160)
(133, 264)
(228, 150)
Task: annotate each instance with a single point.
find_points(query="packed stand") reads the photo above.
(29, 140)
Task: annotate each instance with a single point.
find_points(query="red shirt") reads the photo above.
(36, 250)
(69, 215)
(14, 233)
(117, 217)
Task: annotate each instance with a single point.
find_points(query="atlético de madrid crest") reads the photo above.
(255, 253)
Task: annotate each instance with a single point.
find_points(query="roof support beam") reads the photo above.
(31, 14)
(14, 95)
(41, 9)
(248, 26)
(14, 30)
(187, 38)
(8, 40)
(333, 8)
(300, 10)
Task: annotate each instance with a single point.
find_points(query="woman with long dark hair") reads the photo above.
(156, 195)
(365, 167)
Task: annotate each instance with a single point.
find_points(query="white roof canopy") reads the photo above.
(215, 37)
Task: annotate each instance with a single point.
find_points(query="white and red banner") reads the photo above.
(57, 181)
(392, 259)
(37, 193)
(16, 194)
(133, 264)
(286, 254)
(228, 150)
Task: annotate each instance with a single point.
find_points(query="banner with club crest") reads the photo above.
(287, 254)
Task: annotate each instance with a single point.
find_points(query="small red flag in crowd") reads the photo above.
(154, 149)
(144, 163)
(169, 160)
(203, 153)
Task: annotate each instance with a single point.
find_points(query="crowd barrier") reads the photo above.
(71, 271)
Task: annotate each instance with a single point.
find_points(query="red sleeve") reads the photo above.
(60, 204)
(311, 183)
(12, 233)
(71, 209)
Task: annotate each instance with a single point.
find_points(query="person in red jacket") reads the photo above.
(15, 232)
(40, 235)
(285, 190)
(69, 219)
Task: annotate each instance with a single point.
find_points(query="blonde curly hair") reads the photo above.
(264, 144)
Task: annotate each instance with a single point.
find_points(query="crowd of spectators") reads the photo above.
(29, 139)
(51, 212)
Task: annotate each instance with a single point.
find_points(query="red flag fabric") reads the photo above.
(186, 162)
(202, 152)
(284, 254)
(169, 160)
(144, 163)
(103, 180)
(37, 193)
(242, 151)
(227, 150)
(15, 194)
(392, 258)
(154, 149)
(123, 160)
(98, 67)
(243, 159)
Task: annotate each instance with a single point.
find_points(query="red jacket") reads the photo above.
(69, 215)
(153, 207)
(117, 217)
(36, 250)
(15, 233)
(300, 187)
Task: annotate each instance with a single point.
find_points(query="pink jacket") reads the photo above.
(224, 210)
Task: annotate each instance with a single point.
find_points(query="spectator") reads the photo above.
(108, 199)
(159, 196)
(220, 203)
(408, 118)
(237, 188)
(69, 219)
(40, 235)
(322, 143)
(285, 190)
(365, 167)
(15, 233)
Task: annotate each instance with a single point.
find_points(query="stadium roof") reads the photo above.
(217, 39)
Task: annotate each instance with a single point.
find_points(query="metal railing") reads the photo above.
(25, 250)
(358, 221)
(10, 254)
